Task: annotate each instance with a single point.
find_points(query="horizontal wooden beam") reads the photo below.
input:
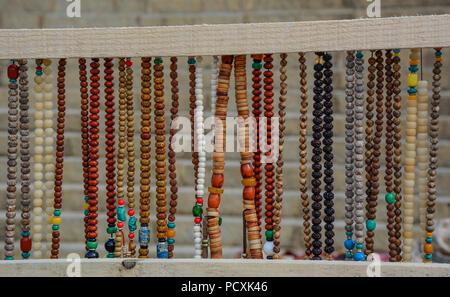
(215, 268)
(195, 40)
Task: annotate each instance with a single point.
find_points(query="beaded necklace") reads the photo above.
(85, 139)
(13, 75)
(280, 162)
(397, 158)
(349, 153)
(303, 160)
(144, 220)
(110, 157)
(56, 219)
(38, 167)
(432, 167)
(328, 155)
(316, 158)
(172, 160)
(201, 159)
(214, 77)
(257, 165)
(359, 158)
(49, 168)
(91, 243)
(25, 242)
(410, 153)
(269, 167)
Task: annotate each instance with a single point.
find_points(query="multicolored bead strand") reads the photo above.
(303, 154)
(359, 158)
(192, 68)
(280, 162)
(349, 243)
(94, 104)
(110, 157)
(49, 167)
(144, 220)
(269, 167)
(120, 248)
(25, 168)
(197, 210)
(38, 166)
(256, 111)
(13, 129)
(160, 150)
(248, 179)
(410, 155)
(59, 164)
(172, 159)
(433, 164)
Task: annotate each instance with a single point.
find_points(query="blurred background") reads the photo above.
(105, 13)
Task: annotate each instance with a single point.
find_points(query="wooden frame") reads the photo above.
(195, 40)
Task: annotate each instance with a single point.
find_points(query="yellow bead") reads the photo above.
(171, 233)
(56, 220)
(412, 97)
(429, 234)
(412, 79)
(86, 206)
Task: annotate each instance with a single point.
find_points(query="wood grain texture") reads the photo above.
(196, 40)
(216, 268)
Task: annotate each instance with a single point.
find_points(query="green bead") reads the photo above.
(9, 258)
(170, 240)
(132, 224)
(55, 227)
(110, 256)
(269, 234)
(57, 212)
(412, 90)
(370, 225)
(349, 233)
(220, 221)
(428, 256)
(111, 230)
(429, 240)
(86, 198)
(121, 214)
(191, 61)
(360, 246)
(413, 68)
(25, 234)
(438, 53)
(359, 55)
(86, 212)
(26, 255)
(397, 50)
(92, 245)
(171, 225)
(257, 66)
(390, 198)
(158, 61)
(39, 72)
(197, 211)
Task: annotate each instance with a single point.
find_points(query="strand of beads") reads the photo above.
(38, 167)
(57, 205)
(24, 130)
(49, 167)
(316, 158)
(327, 142)
(132, 221)
(200, 142)
(217, 178)
(94, 104)
(248, 179)
(349, 153)
(371, 206)
(110, 157)
(172, 159)
(388, 176)
(144, 220)
(160, 150)
(269, 167)
(120, 244)
(214, 77)
(422, 152)
(410, 155)
(192, 66)
(84, 139)
(433, 165)
(397, 156)
(359, 157)
(303, 160)
(257, 165)
(280, 162)
(13, 75)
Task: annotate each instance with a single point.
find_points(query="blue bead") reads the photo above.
(359, 256)
(412, 90)
(438, 53)
(349, 233)
(170, 240)
(25, 255)
(191, 61)
(359, 55)
(397, 50)
(349, 244)
(429, 240)
(13, 80)
(25, 234)
(162, 250)
(349, 255)
(91, 254)
(428, 256)
(360, 246)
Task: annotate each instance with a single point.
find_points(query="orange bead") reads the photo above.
(217, 180)
(428, 248)
(249, 193)
(171, 233)
(213, 200)
(246, 170)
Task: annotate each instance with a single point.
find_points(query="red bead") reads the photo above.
(120, 224)
(131, 235)
(246, 170)
(25, 244)
(13, 71)
(197, 220)
(131, 212)
(200, 200)
(129, 63)
(249, 193)
(121, 202)
(217, 180)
